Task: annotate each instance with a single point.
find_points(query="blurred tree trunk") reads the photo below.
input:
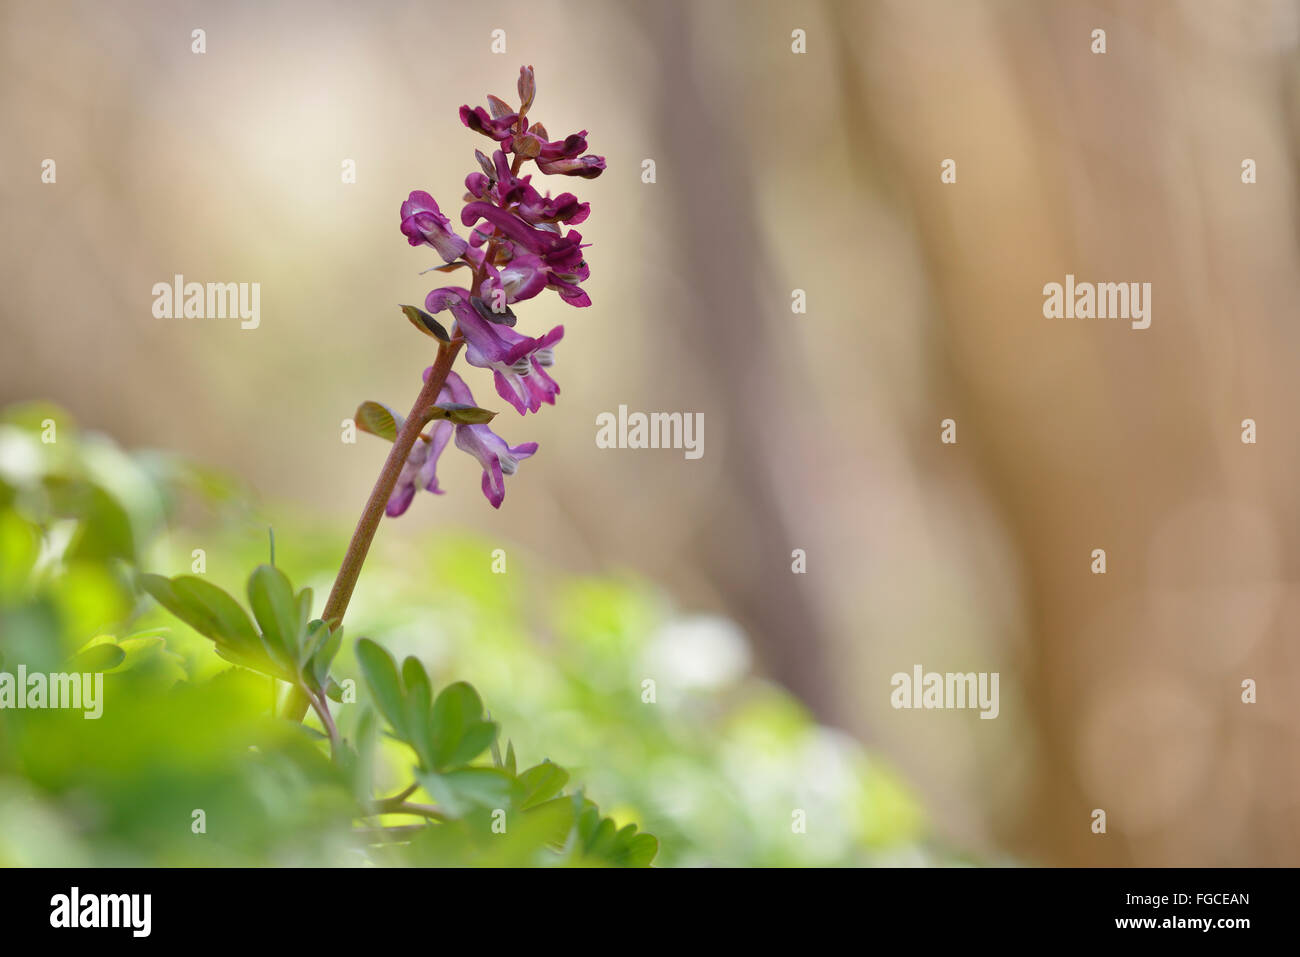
(721, 344)
(1085, 433)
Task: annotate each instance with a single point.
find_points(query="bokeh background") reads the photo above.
(775, 171)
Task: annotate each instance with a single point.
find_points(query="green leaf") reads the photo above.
(419, 700)
(317, 634)
(496, 750)
(510, 758)
(587, 817)
(426, 323)
(378, 419)
(278, 612)
(557, 815)
(380, 671)
(356, 755)
(104, 526)
(478, 737)
(601, 839)
(97, 658)
(539, 783)
(457, 706)
(211, 612)
(334, 690)
(304, 616)
(635, 850)
(462, 790)
(138, 649)
(147, 651)
(20, 547)
(461, 414)
(459, 733)
(324, 656)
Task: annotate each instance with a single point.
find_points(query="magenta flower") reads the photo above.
(523, 382)
(568, 148)
(526, 275)
(419, 470)
(563, 156)
(518, 362)
(498, 185)
(508, 225)
(559, 257)
(521, 278)
(497, 458)
(498, 126)
(565, 208)
(424, 224)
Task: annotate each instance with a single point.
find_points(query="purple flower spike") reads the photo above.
(516, 247)
(424, 224)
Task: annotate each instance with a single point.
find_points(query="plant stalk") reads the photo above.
(368, 524)
(337, 604)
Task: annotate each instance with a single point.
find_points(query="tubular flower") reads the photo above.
(419, 470)
(518, 362)
(424, 224)
(496, 457)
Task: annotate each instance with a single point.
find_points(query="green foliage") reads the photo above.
(170, 748)
(426, 323)
(459, 413)
(416, 771)
(378, 419)
(122, 788)
(449, 732)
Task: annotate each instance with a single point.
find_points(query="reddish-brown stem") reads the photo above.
(296, 705)
(320, 704)
(337, 605)
(346, 581)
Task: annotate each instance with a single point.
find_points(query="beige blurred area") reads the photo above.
(775, 171)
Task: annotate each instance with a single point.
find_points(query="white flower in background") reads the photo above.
(702, 652)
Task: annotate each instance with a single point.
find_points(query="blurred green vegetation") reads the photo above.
(655, 714)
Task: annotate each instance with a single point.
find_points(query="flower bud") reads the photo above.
(527, 88)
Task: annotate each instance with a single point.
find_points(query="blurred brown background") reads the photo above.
(775, 171)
